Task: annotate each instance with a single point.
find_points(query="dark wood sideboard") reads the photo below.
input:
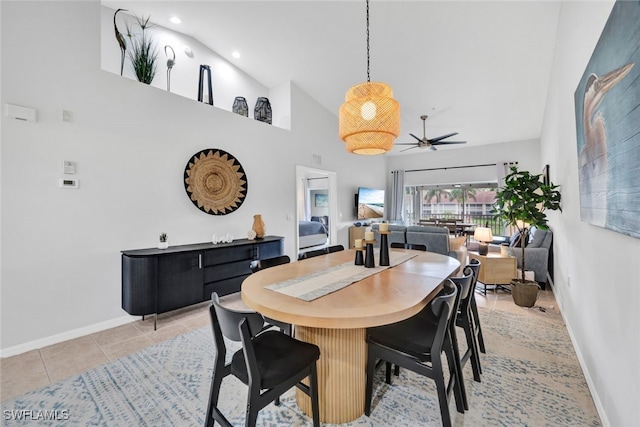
(159, 280)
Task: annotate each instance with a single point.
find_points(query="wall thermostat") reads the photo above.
(68, 183)
(17, 112)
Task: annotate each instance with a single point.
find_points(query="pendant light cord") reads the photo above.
(368, 72)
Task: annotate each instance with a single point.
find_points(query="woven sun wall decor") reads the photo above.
(215, 181)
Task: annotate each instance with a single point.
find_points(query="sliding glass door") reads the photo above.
(468, 203)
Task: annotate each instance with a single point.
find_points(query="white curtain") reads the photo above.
(502, 169)
(396, 213)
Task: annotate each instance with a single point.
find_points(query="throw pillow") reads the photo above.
(514, 241)
(457, 242)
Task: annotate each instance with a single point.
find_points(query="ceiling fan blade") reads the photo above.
(448, 142)
(419, 139)
(432, 148)
(410, 148)
(442, 137)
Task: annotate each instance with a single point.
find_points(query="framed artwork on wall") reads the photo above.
(321, 200)
(607, 103)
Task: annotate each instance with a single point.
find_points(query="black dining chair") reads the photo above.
(314, 253)
(261, 264)
(269, 362)
(335, 248)
(417, 344)
(234, 300)
(464, 320)
(474, 265)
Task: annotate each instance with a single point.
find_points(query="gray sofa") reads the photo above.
(538, 254)
(434, 239)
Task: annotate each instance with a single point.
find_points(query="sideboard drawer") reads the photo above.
(223, 287)
(225, 255)
(226, 271)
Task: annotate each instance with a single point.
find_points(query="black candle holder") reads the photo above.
(369, 262)
(384, 248)
(359, 257)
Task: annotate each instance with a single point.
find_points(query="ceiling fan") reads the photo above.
(431, 143)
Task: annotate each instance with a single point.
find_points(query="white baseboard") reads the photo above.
(58, 338)
(594, 393)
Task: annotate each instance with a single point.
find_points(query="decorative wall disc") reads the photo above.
(215, 181)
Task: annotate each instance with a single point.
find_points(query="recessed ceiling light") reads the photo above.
(235, 54)
(175, 20)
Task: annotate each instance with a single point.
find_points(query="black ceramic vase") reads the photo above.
(384, 249)
(240, 106)
(262, 111)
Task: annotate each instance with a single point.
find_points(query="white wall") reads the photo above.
(61, 248)
(600, 300)
(227, 81)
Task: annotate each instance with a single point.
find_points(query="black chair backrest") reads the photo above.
(444, 308)
(464, 283)
(311, 254)
(229, 320)
(335, 248)
(269, 262)
(442, 305)
(474, 265)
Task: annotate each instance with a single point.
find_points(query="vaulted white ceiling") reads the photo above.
(478, 68)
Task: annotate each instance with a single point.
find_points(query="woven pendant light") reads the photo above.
(369, 119)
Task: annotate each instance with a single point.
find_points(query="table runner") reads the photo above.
(321, 283)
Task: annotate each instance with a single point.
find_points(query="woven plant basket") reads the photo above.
(524, 294)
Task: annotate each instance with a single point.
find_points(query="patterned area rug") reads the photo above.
(531, 377)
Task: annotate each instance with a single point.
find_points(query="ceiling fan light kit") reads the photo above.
(369, 119)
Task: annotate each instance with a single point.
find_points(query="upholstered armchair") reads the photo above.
(536, 254)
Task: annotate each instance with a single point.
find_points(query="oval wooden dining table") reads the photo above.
(337, 322)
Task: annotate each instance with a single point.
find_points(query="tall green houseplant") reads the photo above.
(522, 203)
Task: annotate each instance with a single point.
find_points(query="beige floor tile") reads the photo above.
(72, 357)
(115, 335)
(22, 373)
(123, 348)
(146, 326)
(168, 332)
(195, 322)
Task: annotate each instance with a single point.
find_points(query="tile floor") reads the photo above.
(37, 368)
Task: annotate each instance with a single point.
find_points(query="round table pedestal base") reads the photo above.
(341, 373)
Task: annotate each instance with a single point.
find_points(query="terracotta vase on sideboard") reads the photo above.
(258, 226)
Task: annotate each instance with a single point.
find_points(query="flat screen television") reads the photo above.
(370, 203)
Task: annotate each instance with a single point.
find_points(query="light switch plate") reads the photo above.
(68, 167)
